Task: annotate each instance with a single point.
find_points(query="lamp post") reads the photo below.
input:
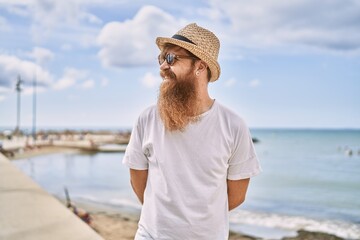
(18, 90)
(34, 111)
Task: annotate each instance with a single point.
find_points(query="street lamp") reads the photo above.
(18, 90)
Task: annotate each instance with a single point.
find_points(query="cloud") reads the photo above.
(30, 90)
(132, 42)
(329, 25)
(230, 82)
(333, 25)
(11, 67)
(57, 20)
(17, 8)
(254, 83)
(3, 92)
(91, 18)
(41, 55)
(51, 13)
(66, 47)
(150, 80)
(69, 78)
(104, 82)
(88, 84)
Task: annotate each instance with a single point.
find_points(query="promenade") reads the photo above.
(27, 212)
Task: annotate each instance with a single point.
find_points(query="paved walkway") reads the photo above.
(27, 212)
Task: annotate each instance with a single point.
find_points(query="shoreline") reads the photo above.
(116, 224)
(42, 151)
(112, 223)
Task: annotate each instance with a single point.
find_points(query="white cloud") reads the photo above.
(333, 25)
(54, 13)
(11, 67)
(70, 78)
(254, 83)
(41, 55)
(29, 90)
(66, 47)
(3, 92)
(132, 42)
(230, 82)
(58, 21)
(150, 80)
(64, 82)
(88, 84)
(91, 18)
(323, 24)
(17, 9)
(104, 82)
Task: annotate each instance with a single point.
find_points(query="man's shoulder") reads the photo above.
(230, 115)
(149, 110)
(228, 112)
(149, 113)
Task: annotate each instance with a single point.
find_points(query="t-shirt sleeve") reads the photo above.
(243, 163)
(134, 156)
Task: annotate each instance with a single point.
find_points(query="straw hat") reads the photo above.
(200, 42)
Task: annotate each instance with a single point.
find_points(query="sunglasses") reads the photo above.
(170, 58)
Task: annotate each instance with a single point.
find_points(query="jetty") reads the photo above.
(89, 142)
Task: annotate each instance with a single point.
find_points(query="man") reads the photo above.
(190, 158)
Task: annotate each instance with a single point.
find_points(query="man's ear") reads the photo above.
(202, 66)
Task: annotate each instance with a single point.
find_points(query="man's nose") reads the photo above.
(164, 66)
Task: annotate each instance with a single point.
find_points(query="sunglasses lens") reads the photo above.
(170, 59)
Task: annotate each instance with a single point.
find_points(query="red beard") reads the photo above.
(177, 102)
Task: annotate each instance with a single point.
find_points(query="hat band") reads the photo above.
(182, 38)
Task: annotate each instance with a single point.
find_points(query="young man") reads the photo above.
(190, 158)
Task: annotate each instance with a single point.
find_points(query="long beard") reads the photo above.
(177, 102)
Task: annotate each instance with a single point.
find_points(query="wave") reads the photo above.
(271, 223)
(111, 202)
(339, 228)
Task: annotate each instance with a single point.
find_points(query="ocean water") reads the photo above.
(309, 181)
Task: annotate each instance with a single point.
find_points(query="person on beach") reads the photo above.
(190, 158)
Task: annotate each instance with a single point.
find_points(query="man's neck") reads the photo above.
(205, 104)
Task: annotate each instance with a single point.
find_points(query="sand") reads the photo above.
(117, 226)
(114, 225)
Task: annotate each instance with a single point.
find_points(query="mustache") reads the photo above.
(167, 73)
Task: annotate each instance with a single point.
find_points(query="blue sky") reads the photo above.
(285, 64)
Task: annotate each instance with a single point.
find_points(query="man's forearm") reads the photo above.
(237, 192)
(138, 179)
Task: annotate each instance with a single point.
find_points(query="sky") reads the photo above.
(284, 64)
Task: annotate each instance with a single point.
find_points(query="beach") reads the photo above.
(304, 209)
(114, 225)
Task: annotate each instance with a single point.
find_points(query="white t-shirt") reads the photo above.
(186, 191)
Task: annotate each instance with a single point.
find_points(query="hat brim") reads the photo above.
(197, 51)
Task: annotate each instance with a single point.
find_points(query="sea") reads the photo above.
(310, 180)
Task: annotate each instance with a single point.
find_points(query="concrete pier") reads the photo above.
(27, 212)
